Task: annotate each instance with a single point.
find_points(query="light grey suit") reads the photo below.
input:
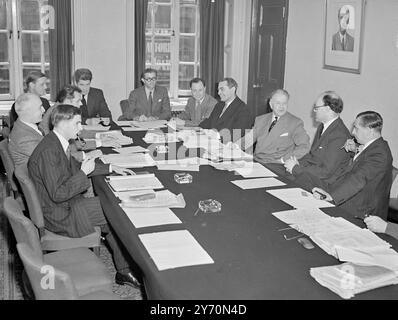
(193, 115)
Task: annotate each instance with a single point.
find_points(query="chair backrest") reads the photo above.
(8, 164)
(47, 282)
(124, 105)
(23, 228)
(31, 197)
(394, 174)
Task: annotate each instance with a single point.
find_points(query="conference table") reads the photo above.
(252, 259)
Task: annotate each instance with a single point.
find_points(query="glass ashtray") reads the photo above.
(183, 178)
(209, 206)
(162, 149)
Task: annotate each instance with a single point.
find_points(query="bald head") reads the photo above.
(29, 108)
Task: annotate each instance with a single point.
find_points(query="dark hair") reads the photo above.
(32, 76)
(149, 70)
(280, 91)
(63, 112)
(67, 92)
(83, 74)
(197, 80)
(333, 101)
(371, 119)
(231, 83)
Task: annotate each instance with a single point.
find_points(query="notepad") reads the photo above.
(149, 217)
(299, 198)
(258, 183)
(174, 249)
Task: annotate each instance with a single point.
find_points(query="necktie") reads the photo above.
(320, 130)
(273, 123)
(358, 152)
(84, 110)
(343, 43)
(150, 101)
(68, 153)
(41, 131)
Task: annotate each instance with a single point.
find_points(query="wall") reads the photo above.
(376, 88)
(103, 43)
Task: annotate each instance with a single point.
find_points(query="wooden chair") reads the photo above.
(86, 270)
(49, 240)
(394, 189)
(124, 105)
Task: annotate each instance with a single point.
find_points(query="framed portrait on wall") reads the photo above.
(344, 21)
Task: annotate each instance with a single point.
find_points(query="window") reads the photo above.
(23, 44)
(172, 43)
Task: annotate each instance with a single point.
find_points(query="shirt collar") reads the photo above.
(33, 126)
(147, 91)
(64, 142)
(327, 124)
(368, 144)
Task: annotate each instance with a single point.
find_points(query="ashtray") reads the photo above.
(183, 178)
(162, 149)
(209, 206)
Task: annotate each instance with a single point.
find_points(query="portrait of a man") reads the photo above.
(342, 40)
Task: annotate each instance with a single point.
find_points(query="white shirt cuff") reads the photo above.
(98, 143)
(110, 168)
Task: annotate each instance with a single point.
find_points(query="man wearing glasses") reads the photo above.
(327, 158)
(149, 102)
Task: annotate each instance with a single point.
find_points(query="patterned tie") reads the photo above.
(150, 101)
(273, 124)
(84, 110)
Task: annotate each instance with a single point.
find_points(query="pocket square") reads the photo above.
(284, 134)
(160, 100)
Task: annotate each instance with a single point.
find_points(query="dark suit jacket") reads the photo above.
(337, 45)
(139, 105)
(96, 104)
(23, 140)
(365, 185)
(14, 115)
(235, 120)
(60, 184)
(327, 159)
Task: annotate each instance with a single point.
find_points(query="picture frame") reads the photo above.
(344, 28)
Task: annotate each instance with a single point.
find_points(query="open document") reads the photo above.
(136, 160)
(174, 249)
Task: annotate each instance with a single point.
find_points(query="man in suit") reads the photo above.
(326, 160)
(231, 116)
(199, 106)
(60, 182)
(149, 102)
(93, 100)
(364, 187)
(35, 83)
(25, 135)
(342, 40)
(279, 134)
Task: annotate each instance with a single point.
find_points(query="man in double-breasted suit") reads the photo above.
(93, 100)
(364, 187)
(60, 182)
(327, 159)
(279, 135)
(231, 116)
(149, 102)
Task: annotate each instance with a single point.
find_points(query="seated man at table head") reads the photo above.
(199, 106)
(279, 134)
(149, 102)
(364, 187)
(60, 182)
(231, 116)
(35, 83)
(326, 159)
(93, 100)
(25, 135)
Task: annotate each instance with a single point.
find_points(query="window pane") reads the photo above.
(149, 18)
(185, 75)
(188, 20)
(148, 55)
(164, 76)
(162, 50)
(187, 49)
(3, 14)
(4, 80)
(3, 47)
(31, 47)
(30, 15)
(163, 19)
(163, 1)
(46, 48)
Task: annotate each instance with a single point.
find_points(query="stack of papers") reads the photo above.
(160, 137)
(117, 136)
(186, 164)
(254, 170)
(138, 182)
(131, 150)
(125, 195)
(136, 160)
(150, 217)
(174, 249)
(258, 183)
(229, 165)
(163, 199)
(349, 279)
(148, 125)
(299, 198)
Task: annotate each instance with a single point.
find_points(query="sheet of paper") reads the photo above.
(133, 129)
(174, 249)
(130, 150)
(258, 183)
(149, 217)
(125, 195)
(138, 182)
(302, 216)
(126, 123)
(176, 167)
(157, 124)
(137, 160)
(255, 170)
(299, 198)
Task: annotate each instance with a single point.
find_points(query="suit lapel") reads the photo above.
(229, 112)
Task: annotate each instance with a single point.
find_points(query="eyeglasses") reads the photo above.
(150, 79)
(317, 107)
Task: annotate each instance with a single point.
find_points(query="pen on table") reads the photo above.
(143, 197)
(321, 195)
